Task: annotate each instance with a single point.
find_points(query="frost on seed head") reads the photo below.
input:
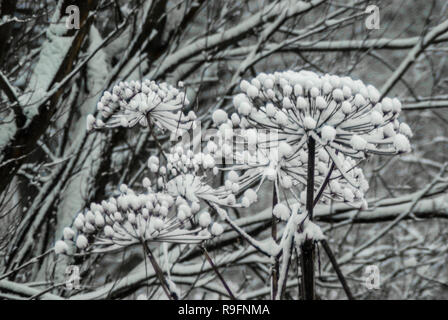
(281, 211)
(217, 229)
(219, 117)
(166, 211)
(282, 164)
(328, 108)
(282, 111)
(135, 103)
(60, 247)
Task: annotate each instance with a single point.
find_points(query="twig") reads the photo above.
(335, 265)
(158, 271)
(224, 283)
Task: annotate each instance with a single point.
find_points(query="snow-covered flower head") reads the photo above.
(341, 114)
(258, 157)
(172, 208)
(135, 102)
(188, 176)
(132, 218)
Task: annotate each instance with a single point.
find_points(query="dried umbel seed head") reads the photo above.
(267, 159)
(278, 115)
(340, 113)
(172, 215)
(187, 178)
(145, 103)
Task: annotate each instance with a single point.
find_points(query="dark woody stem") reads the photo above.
(275, 267)
(307, 248)
(325, 244)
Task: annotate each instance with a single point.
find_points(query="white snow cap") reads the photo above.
(313, 231)
(284, 149)
(405, 129)
(217, 229)
(158, 224)
(79, 222)
(281, 211)
(68, 233)
(281, 118)
(82, 242)
(358, 142)
(90, 122)
(338, 95)
(205, 219)
(252, 91)
(60, 247)
(376, 118)
(309, 123)
(387, 104)
(348, 195)
(270, 110)
(146, 182)
(233, 176)
(99, 219)
(321, 103)
(401, 143)
(374, 94)
(302, 103)
(109, 231)
(346, 107)
(286, 182)
(219, 117)
(251, 195)
(328, 133)
(245, 108)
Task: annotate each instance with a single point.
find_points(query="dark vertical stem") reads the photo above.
(275, 269)
(325, 244)
(299, 283)
(308, 281)
(274, 222)
(310, 178)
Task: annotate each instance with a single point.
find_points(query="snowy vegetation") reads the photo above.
(208, 150)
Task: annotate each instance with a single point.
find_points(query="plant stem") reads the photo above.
(325, 244)
(275, 267)
(324, 185)
(335, 265)
(153, 134)
(31, 261)
(308, 280)
(224, 283)
(159, 273)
